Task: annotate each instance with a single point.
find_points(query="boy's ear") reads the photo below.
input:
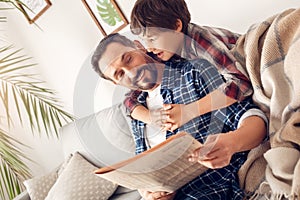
(139, 45)
(178, 25)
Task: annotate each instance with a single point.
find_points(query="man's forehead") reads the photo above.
(113, 51)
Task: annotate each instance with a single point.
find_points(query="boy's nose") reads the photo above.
(150, 49)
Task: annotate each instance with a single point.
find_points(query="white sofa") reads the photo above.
(105, 138)
(102, 138)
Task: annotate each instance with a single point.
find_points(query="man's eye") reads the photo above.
(128, 59)
(120, 74)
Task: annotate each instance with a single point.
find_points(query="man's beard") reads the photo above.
(146, 77)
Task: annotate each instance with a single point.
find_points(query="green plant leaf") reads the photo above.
(36, 106)
(27, 92)
(13, 171)
(107, 12)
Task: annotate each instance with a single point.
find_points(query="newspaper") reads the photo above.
(164, 167)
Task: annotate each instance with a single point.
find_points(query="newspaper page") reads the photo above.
(164, 167)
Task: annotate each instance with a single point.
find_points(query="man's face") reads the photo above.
(129, 67)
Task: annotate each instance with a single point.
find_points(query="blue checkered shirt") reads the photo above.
(186, 82)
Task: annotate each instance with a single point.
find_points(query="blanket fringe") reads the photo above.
(264, 192)
(258, 196)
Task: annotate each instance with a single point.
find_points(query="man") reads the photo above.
(117, 59)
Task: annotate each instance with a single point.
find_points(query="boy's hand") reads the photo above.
(157, 118)
(178, 114)
(156, 195)
(216, 152)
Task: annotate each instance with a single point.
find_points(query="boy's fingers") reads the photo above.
(167, 126)
(167, 106)
(174, 127)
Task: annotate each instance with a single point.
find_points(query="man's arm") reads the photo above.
(156, 195)
(249, 135)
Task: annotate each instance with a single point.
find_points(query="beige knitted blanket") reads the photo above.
(271, 53)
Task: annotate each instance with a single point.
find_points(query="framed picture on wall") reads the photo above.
(33, 9)
(106, 14)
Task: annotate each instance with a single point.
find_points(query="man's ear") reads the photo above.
(139, 45)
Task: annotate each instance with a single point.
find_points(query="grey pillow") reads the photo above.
(103, 138)
(106, 136)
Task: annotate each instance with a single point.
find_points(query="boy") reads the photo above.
(166, 29)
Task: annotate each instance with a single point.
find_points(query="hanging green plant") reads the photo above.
(108, 13)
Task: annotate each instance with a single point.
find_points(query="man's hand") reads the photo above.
(216, 152)
(156, 195)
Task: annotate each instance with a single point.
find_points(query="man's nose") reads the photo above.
(129, 72)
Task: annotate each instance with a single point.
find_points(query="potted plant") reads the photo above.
(35, 105)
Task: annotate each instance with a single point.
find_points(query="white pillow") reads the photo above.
(38, 187)
(78, 181)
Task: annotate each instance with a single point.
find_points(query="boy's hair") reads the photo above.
(159, 13)
(114, 37)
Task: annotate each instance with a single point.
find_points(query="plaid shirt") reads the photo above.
(213, 44)
(186, 82)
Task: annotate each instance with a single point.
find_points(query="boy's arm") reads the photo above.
(134, 108)
(141, 113)
(179, 114)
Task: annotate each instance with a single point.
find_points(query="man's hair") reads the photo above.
(159, 13)
(101, 48)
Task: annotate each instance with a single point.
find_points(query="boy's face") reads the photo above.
(163, 43)
(130, 67)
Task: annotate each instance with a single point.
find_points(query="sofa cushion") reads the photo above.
(103, 138)
(38, 187)
(78, 181)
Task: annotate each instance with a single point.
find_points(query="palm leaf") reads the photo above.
(15, 4)
(25, 91)
(13, 170)
(107, 12)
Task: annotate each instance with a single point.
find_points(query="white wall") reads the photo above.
(68, 37)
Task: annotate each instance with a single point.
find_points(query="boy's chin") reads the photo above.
(166, 56)
(147, 87)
